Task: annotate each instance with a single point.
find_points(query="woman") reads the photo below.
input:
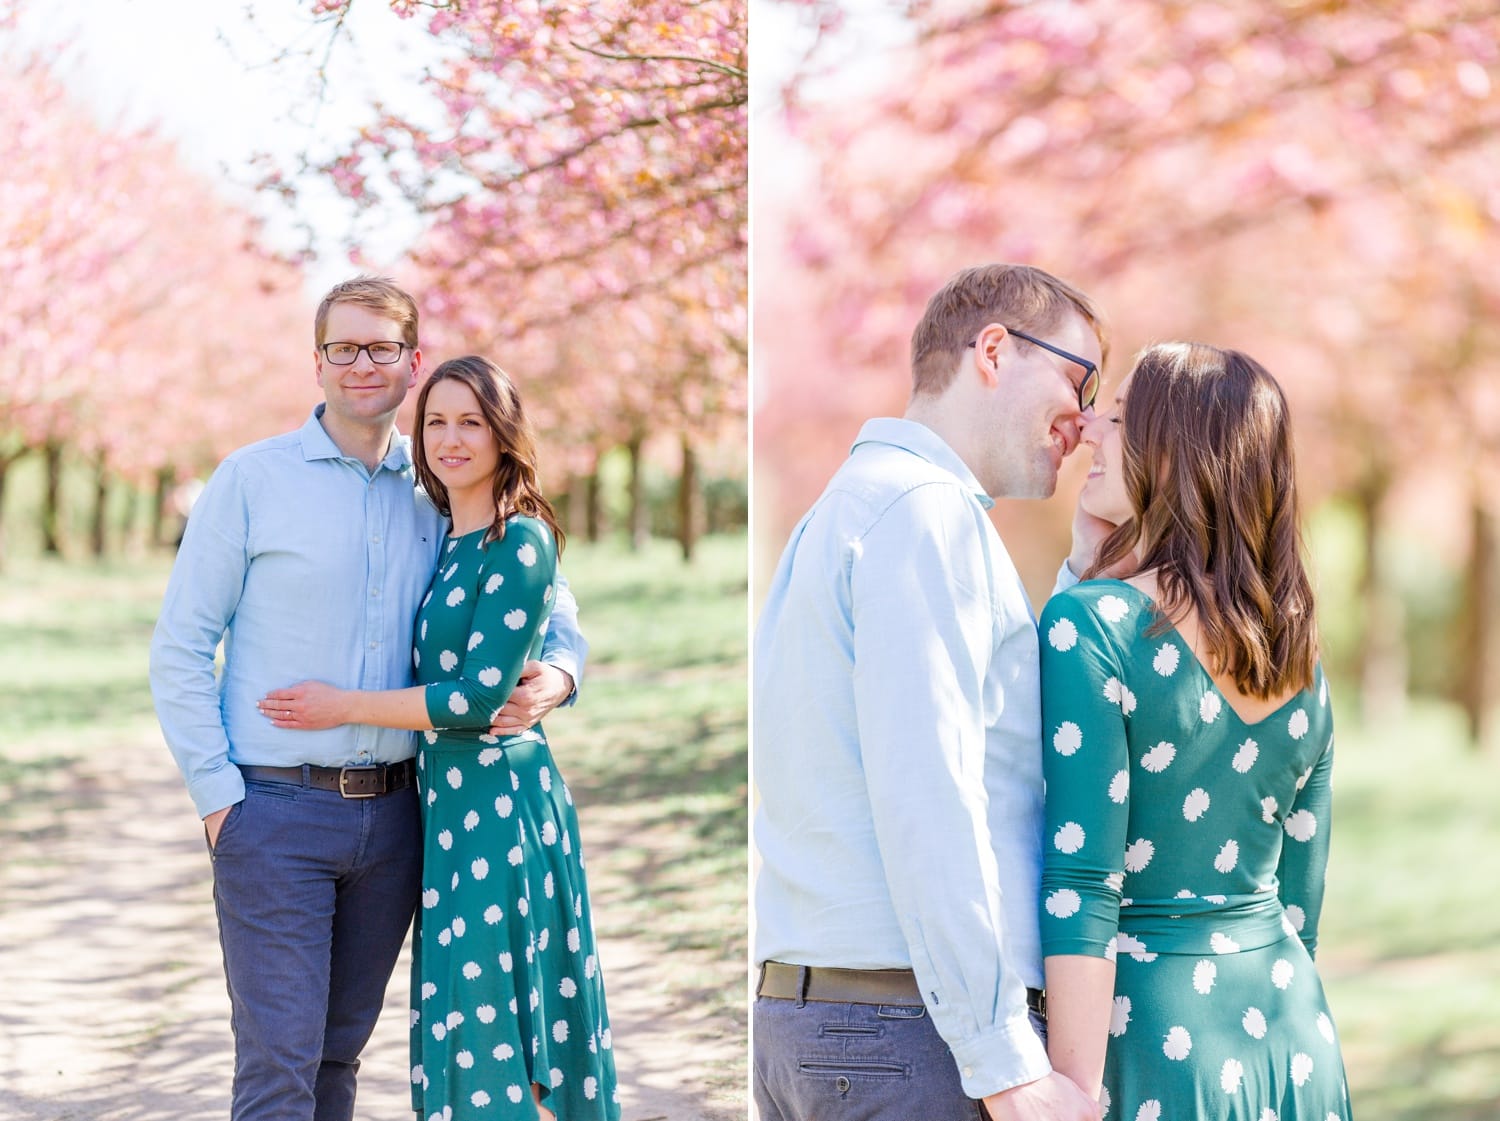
(1188, 742)
(508, 1001)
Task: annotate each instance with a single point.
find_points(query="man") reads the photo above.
(898, 737)
(309, 554)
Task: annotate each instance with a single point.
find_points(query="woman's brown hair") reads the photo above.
(1207, 451)
(516, 489)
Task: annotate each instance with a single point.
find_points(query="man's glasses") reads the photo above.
(346, 354)
(1088, 388)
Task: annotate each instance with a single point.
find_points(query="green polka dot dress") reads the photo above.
(506, 987)
(1189, 846)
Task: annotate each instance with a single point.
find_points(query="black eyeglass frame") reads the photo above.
(365, 347)
(1088, 388)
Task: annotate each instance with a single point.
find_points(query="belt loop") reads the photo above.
(306, 775)
(802, 976)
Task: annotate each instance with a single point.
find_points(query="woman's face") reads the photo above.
(1104, 494)
(457, 442)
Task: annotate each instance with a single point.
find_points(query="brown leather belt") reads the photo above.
(363, 780)
(827, 984)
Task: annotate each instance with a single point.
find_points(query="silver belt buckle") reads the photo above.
(344, 780)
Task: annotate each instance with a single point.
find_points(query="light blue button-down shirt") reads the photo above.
(309, 566)
(897, 716)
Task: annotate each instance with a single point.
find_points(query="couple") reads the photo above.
(334, 584)
(916, 889)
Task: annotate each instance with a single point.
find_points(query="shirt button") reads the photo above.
(968, 1072)
(375, 540)
(374, 593)
(373, 645)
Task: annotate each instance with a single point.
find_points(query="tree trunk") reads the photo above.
(161, 511)
(687, 500)
(101, 509)
(1383, 653)
(637, 529)
(5, 462)
(592, 519)
(1479, 654)
(51, 536)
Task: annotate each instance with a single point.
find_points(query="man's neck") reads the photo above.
(367, 443)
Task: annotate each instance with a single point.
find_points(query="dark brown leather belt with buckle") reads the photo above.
(828, 985)
(362, 780)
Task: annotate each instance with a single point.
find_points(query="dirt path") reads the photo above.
(112, 1002)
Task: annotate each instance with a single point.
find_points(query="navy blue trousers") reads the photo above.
(314, 894)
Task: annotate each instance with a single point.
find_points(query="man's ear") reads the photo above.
(985, 353)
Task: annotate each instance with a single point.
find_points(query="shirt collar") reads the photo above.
(317, 444)
(921, 441)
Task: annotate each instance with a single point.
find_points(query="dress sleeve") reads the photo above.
(515, 591)
(1304, 848)
(1086, 764)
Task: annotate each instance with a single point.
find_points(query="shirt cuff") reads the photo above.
(1065, 578)
(1007, 1057)
(564, 660)
(218, 790)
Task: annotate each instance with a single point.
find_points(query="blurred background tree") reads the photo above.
(1312, 182)
(578, 178)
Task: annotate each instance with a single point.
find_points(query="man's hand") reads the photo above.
(1089, 533)
(541, 689)
(213, 823)
(1053, 1098)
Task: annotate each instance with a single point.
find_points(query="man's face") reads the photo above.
(1035, 412)
(364, 392)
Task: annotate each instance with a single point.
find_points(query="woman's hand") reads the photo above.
(309, 706)
(1089, 533)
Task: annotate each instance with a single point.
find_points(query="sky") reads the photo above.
(229, 78)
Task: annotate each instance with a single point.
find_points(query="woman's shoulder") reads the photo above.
(528, 542)
(1111, 601)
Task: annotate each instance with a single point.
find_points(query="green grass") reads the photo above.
(655, 751)
(1409, 945)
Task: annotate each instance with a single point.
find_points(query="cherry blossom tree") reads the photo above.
(1311, 182)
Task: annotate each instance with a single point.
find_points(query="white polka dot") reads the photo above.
(574, 942)
(1069, 838)
(493, 583)
(514, 1094)
(1209, 707)
(1062, 635)
(1159, 758)
(547, 886)
(450, 570)
(569, 988)
(475, 639)
(515, 618)
(515, 856)
(1138, 854)
(429, 990)
(1119, 1016)
(464, 1059)
(416, 1075)
(486, 1013)
(1113, 608)
(506, 962)
(526, 554)
(543, 938)
(590, 1087)
(1150, 1110)
(1165, 662)
(1221, 943)
(1230, 1075)
(544, 777)
(490, 755)
(445, 936)
(455, 597)
(1296, 916)
(503, 1052)
(455, 777)
(1301, 825)
(560, 1031)
(1282, 973)
(458, 704)
(471, 821)
(459, 926)
(549, 833)
(1204, 974)
(1195, 805)
(439, 1032)
(1254, 1023)
(489, 677)
(503, 805)
(493, 914)
(479, 1098)
(445, 839)
(1177, 1044)
(1229, 856)
(455, 1019)
(1302, 1067)
(1325, 1027)
(1246, 756)
(1296, 727)
(1119, 787)
(1068, 738)
(430, 898)
(1130, 944)
(1117, 692)
(480, 868)
(1063, 903)
(1268, 810)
